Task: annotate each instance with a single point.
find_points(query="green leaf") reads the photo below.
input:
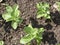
(27, 39)
(45, 15)
(35, 31)
(9, 9)
(41, 30)
(30, 30)
(38, 41)
(16, 13)
(38, 6)
(39, 16)
(48, 17)
(1, 43)
(6, 16)
(30, 26)
(20, 20)
(15, 7)
(46, 5)
(14, 24)
(48, 12)
(39, 36)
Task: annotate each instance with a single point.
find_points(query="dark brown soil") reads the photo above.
(51, 36)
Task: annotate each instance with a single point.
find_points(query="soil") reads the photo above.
(51, 36)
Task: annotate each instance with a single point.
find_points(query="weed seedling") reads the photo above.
(43, 10)
(32, 33)
(12, 14)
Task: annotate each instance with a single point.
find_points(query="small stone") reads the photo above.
(55, 6)
(0, 0)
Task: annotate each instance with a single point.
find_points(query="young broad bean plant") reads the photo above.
(1, 42)
(12, 14)
(43, 10)
(32, 33)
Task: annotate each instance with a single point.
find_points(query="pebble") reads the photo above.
(0, 0)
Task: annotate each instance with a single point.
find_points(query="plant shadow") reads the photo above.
(1, 21)
(15, 1)
(48, 26)
(35, 24)
(7, 27)
(55, 17)
(49, 37)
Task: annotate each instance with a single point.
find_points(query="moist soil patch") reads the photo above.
(51, 36)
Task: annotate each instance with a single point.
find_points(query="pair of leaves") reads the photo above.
(43, 10)
(12, 14)
(32, 33)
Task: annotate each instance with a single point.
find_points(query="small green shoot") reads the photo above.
(1, 43)
(43, 10)
(12, 14)
(32, 33)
